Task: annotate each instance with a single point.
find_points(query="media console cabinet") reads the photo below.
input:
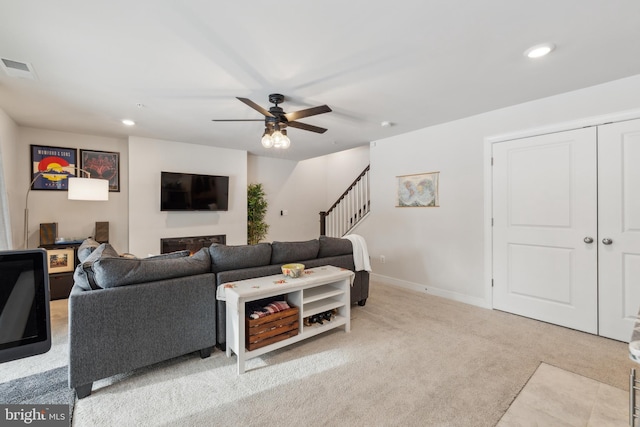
(319, 290)
(60, 283)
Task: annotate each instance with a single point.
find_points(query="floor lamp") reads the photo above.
(79, 188)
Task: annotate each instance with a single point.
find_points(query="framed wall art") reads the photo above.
(51, 167)
(102, 165)
(419, 190)
(60, 260)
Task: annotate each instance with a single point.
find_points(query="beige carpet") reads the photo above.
(409, 360)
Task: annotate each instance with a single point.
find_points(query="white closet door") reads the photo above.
(544, 207)
(619, 216)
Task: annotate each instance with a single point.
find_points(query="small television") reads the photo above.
(25, 324)
(193, 192)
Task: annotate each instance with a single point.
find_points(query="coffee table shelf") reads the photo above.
(321, 306)
(320, 293)
(320, 289)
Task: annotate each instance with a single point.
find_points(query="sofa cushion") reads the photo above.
(342, 261)
(111, 271)
(170, 255)
(247, 273)
(334, 246)
(225, 257)
(86, 248)
(80, 275)
(285, 252)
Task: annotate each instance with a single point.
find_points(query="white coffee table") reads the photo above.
(320, 289)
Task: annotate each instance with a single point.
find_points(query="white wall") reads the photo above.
(147, 224)
(75, 218)
(342, 169)
(441, 250)
(304, 189)
(296, 187)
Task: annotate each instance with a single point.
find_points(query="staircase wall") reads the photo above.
(303, 189)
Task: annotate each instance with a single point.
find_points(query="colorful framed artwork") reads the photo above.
(60, 260)
(51, 167)
(419, 190)
(102, 165)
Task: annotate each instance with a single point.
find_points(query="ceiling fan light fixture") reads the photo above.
(276, 120)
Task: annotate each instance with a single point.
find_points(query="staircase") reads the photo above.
(349, 210)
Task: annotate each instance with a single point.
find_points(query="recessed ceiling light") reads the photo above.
(539, 50)
(128, 122)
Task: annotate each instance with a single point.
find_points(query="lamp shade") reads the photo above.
(88, 189)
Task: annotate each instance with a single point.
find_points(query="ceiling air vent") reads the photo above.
(13, 68)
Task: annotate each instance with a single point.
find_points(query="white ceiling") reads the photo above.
(413, 63)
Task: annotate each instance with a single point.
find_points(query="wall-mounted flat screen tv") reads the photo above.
(193, 192)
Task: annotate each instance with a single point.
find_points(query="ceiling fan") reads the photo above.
(276, 120)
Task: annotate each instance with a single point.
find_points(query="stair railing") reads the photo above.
(350, 208)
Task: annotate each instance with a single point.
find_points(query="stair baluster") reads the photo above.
(350, 208)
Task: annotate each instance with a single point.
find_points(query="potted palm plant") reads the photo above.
(256, 210)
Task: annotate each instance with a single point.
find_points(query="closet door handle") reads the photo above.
(607, 241)
(588, 239)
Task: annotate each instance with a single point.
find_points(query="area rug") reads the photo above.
(48, 388)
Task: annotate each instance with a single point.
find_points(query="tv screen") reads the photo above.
(25, 326)
(193, 192)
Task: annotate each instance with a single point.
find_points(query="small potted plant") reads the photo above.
(256, 210)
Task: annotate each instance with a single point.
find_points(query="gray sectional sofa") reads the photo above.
(126, 313)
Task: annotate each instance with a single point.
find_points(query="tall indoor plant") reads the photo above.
(256, 210)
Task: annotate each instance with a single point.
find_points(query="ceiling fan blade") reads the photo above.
(308, 112)
(256, 107)
(305, 126)
(237, 120)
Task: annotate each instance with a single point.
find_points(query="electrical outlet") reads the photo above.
(382, 259)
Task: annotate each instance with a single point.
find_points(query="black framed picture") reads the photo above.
(102, 165)
(51, 167)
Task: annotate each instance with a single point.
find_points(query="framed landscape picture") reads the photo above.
(60, 260)
(102, 165)
(419, 190)
(51, 167)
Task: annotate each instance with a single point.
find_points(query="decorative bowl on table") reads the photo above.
(293, 270)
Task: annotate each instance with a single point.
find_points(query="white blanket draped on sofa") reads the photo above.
(360, 252)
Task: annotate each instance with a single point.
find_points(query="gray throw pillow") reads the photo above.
(224, 258)
(81, 275)
(284, 252)
(86, 248)
(80, 278)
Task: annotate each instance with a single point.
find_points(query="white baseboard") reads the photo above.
(430, 290)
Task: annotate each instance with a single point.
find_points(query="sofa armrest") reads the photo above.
(119, 329)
